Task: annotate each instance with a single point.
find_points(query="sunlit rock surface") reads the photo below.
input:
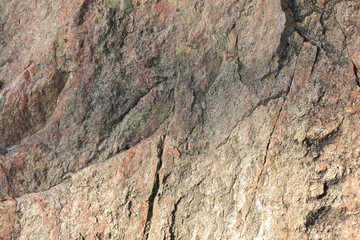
(180, 119)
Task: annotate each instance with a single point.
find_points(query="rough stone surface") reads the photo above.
(180, 119)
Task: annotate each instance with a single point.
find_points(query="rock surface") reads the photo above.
(180, 119)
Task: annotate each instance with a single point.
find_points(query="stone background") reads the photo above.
(179, 119)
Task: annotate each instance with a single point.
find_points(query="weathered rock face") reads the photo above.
(181, 119)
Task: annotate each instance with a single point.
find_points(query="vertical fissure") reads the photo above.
(356, 74)
(317, 56)
(283, 52)
(172, 224)
(155, 189)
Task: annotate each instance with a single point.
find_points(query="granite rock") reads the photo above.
(188, 119)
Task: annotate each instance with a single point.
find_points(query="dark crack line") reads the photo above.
(314, 216)
(172, 225)
(270, 138)
(315, 60)
(283, 53)
(317, 144)
(155, 189)
(263, 102)
(357, 79)
(264, 162)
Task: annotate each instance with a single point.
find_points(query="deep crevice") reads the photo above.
(80, 16)
(317, 56)
(172, 224)
(315, 216)
(293, 16)
(357, 79)
(283, 49)
(155, 190)
(326, 188)
(316, 144)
